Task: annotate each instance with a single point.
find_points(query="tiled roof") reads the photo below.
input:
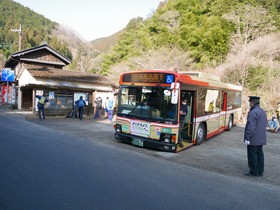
(16, 57)
(66, 75)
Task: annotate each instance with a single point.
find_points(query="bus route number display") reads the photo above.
(148, 78)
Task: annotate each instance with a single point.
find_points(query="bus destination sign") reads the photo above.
(148, 78)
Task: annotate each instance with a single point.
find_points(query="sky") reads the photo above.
(92, 19)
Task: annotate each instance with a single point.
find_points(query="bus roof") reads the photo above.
(189, 77)
(212, 80)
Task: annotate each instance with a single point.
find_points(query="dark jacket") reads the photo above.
(183, 108)
(80, 103)
(98, 103)
(255, 130)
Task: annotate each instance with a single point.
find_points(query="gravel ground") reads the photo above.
(224, 153)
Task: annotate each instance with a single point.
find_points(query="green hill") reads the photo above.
(237, 40)
(196, 26)
(36, 29)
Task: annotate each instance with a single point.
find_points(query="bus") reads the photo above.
(149, 105)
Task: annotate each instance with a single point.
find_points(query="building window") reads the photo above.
(59, 100)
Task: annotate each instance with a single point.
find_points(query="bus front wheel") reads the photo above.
(230, 123)
(201, 134)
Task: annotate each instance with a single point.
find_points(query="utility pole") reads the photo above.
(19, 36)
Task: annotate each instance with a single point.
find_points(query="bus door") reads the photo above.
(224, 110)
(188, 126)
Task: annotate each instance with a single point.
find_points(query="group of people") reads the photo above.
(80, 106)
(108, 107)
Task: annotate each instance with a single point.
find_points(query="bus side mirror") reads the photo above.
(175, 92)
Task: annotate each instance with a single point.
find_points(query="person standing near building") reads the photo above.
(41, 106)
(106, 107)
(255, 137)
(110, 108)
(81, 105)
(98, 107)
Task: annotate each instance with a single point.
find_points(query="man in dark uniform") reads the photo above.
(183, 114)
(255, 137)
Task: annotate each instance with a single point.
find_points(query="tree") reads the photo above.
(170, 58)
(61, 47)
(256, 68)
(249, 22)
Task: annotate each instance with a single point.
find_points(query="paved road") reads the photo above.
(71, 164)
(224, 154)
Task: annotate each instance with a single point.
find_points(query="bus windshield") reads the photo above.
(148, 103)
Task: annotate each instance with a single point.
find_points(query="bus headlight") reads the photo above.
(118, 128)
(166, 137)
(167, 140)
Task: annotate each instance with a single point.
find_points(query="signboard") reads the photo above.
(51, 95)
(8, 75)
(149, 78)
(140, 128)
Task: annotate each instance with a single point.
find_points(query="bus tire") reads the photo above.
(201, 134)
(230, 123)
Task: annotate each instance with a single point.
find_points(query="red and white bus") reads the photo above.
(149, 104)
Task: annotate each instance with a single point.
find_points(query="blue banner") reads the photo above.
(8, 75)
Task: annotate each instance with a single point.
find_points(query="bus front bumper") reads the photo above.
(145, 142)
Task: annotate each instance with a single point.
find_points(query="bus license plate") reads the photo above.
(137, 142)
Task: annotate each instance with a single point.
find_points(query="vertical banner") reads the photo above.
(12, 94)
(4, 94)
(0, 94)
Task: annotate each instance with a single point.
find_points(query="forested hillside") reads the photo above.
(36, 29)
(239, 40)
(203, 28)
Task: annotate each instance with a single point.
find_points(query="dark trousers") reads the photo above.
(81, 112)
(255, 159)
(181, 127)
(41, 110)
(97, 114)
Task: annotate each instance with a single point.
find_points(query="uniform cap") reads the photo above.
(254, 98)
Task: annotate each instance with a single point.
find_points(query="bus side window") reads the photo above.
(212, 101)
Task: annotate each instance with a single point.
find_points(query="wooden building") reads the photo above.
(40, 70)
